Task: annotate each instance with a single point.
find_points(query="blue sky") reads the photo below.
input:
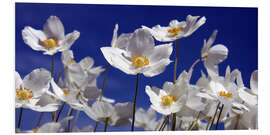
(237, 30)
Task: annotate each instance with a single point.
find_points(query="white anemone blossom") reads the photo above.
(172, 97)
(49, 127)
(138, 54)
(81, 77)
(117, 115)
(223, 90)
(247, 119)
(52, 39)
(176, 29)
(213, 55)
(147, 119)
(32, 92)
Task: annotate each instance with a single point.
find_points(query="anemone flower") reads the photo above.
(52, 39)
(176, 29)
(140, 55)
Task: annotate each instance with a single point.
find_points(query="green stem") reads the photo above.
(163, 123)
(96, 125)
(20, 118)
(106, 124)
(214, 116)
(75, 120)
(52, 75)
(39, 119)
(60, 74)
(219, 116)
(68, 123)
(194, 122)
(168, 127)
(60, 111)
(134, 103)
(175, 61)
(174, 122)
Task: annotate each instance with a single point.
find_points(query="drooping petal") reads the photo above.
(38, 81)
(53, 28)
(116, 58)
(68, 41)
(254, 82)
(33, 38)
(192, 25)
(217, 54)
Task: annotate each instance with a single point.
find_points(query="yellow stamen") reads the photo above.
(66, 92)
(139, 61)
(50, 43)
(24, 93)
(175, 31)
(35, 130)
(72, 61)
(228, 95)
(167, 100)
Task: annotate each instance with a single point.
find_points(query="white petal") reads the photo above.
(217, 54)
(192, 25)
(160, 33)
(51, 127)
(161, 52)
(58, 91)
(157, 68)
(86, 63)
(254, 82)
(34, 38)
(91, 92)
(212, 38)
(247, 97)
(66, 57)
(115, 57)
(38, 81)
(141, 43)
(76, 74)
(69, 40)
(53, 28)
(114, 39)
(18, 80)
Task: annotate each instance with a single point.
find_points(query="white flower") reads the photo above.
(139, 55)
(213, 55)
(176, 30)
(52, 39)
(146, 120)
(31, 90)
(117, 115)
(88, 128)
(171, 98)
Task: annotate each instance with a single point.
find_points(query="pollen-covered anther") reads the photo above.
(72, 61)
(175, 31)
(139, 61)
(24, 93)
(66, 92)
(225, 94)
(168, 99)
(50, 43)
(35, 130)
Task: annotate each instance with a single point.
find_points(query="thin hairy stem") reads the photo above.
(219, 116)
(214, 116)
(20, 118)
(134, 103)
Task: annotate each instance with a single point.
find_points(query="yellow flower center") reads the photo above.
(35, 130)
(66, 92)
(72, 61)
(228, 95)
(167, 100)
(175, 31)
(24, 93)
(139, 61)
(50, 43)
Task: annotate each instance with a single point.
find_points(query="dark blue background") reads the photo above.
(238, 30)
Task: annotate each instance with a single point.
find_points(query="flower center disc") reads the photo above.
(228, 95)
(50, 43)
(139, 61)
(66, 92)
(23, 93)
(72, 61)
(175, 31)
(167, 100)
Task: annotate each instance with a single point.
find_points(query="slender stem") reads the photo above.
(60, 111)
(75, 120)
(175, 61)
(180, 124)
(39, 119)
(134, 103)
(52, 72)
(68, 123)
(168, 127)
(219, 115)
(174, 78)
(96, 125)
(214, 116)
(174, 122)
(193, 123)
(167, 122)
(60, 74)
(237, 121)
(106, 124)
(163, 123)
(104, 81)
(208, 123)
(194, 64)
(20, 118)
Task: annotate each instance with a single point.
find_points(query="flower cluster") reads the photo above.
(212, 100)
